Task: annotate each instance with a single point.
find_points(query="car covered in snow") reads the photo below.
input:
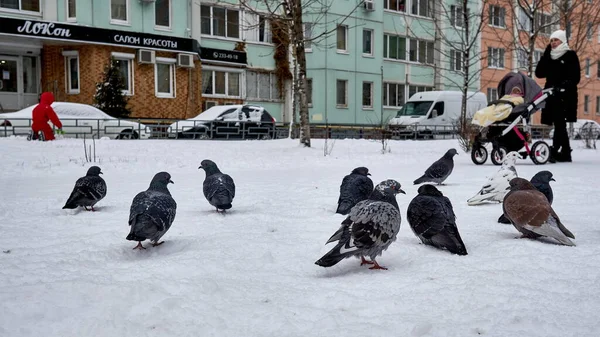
(78, 120)
(227, 121)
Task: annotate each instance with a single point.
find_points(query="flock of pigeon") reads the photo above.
(373, 215)
(374, 218)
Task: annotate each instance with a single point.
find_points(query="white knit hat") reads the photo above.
(560, 35)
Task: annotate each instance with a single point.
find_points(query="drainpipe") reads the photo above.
(92, 2)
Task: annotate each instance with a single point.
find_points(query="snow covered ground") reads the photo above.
(252, 272)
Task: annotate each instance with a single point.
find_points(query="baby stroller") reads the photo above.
(504, 135)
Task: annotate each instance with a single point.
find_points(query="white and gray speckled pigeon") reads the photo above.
(355, 187)
(497, 185)
(88, 190)
(218, 188)
(152, 212)
(531, 214)
(431, 218)
(541, 181)
(369, 229)
(440, 170)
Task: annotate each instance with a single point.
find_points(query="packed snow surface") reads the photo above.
(251, 272)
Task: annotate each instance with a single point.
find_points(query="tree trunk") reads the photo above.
(465, 65)
(300, 55)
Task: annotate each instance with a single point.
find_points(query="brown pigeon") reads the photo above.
(530, 212)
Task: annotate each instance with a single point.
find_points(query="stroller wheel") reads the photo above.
(540, 152)
(479, 154)
(498, 155)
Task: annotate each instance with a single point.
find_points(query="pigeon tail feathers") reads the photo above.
(341, 251)
(451, 241)
(73, 199)
(503, 219)
(344, 207)
(423, 179)
(552, 229)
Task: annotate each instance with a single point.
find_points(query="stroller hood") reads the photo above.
(530, 88)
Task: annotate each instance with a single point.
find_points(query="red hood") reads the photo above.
(47, 98)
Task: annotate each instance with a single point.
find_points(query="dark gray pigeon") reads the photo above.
(219, 188)
(355, 187)
(440, 170)
(541, 181)
(88, 190)
(432, 219)
(152, 212)
(369, 229)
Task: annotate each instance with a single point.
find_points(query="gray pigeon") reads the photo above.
(541, 181)
(369, 229)
(88, 190)
(432, 219)
(355, 187)
(219, 188)
(152, 212)
(440, 170)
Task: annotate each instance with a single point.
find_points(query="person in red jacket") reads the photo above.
(43, 113)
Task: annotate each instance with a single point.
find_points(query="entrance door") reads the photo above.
(19, 82)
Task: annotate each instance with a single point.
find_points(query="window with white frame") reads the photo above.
(395, 5)
(162, 14)
(597, 105)
(495, 57)
(422, 8)
(309, 90)
(393, 94)
(456, 59)
(537, 55)
(544, 23)
(523, 20)
(587, 67)
(586, 104)
(413, 89)
(71, 10)
(341, 93)
(308, 27)
(21, 5)
(257, 28)
(590, 30)
(497, 16)
(220, 21)
(164, 77)
(456, 16)
(367, 42)
(124, 63)
(367, 94)
(342, 38)
(262, 86)
(522, 58)
(492, 94)
(119, 11)
(72, 71)
(394, 47)
(220, 83)
(420, 51)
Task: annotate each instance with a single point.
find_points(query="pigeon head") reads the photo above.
(362, 171)
(511, 158)
(519, 184)
(209, 167)
(389, 186)
(94, 171)
(429, 189)
(543, 177)
(451, 153)
(160, 181)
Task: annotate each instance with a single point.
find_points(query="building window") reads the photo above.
(393, 94)
(544, 23)
(497, 15)
(257, 28)
(568, 30)
(124, 63)
(394, 47)
(308, 27)
(598, 69)
(162, 14)
(421, 8)
(72, 71)
(456, 58)
(413, 89)
(262, 86)
(395, 5)
(21, 5)
(219, 21)
(587, 67)
(71, 10)
(522, 58)
(523, 21)
(456, 16)
(341, 97)
(309, 90)
(367, 95)
(420, 51)
(367, 42)
(342, 38)
(119, 11)
(221, 83)
(586, 104)
(537, 55)
(590, 31)
(597, 105)
(492, 94)
(164, 77)
(495, 58)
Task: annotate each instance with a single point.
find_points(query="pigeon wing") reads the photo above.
(526, 207)
(375, 224)
(426, 216)
(159, 207)
(496, 187)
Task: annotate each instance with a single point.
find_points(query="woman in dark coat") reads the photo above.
(560, 67)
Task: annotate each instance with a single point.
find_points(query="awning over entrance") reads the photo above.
(75, 33)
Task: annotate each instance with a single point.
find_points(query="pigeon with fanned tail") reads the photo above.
(218, 188)
(369, 229)
(531, 214)
(152, 212)
(88, 190)
(355, 187)
(439, 171)
(497, 185)
(431, 218)
(541, 181)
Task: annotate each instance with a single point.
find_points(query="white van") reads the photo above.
(430, 109)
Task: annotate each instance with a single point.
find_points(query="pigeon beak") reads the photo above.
(401, 191)
(552, 179)
(101, 172)
(368, 174)
(200, 167)
(171, 181)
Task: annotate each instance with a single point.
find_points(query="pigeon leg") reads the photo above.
(139, 246)
(157, 243)
(85, 207)
(93, 210)
(363, 261)
(377, 266)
